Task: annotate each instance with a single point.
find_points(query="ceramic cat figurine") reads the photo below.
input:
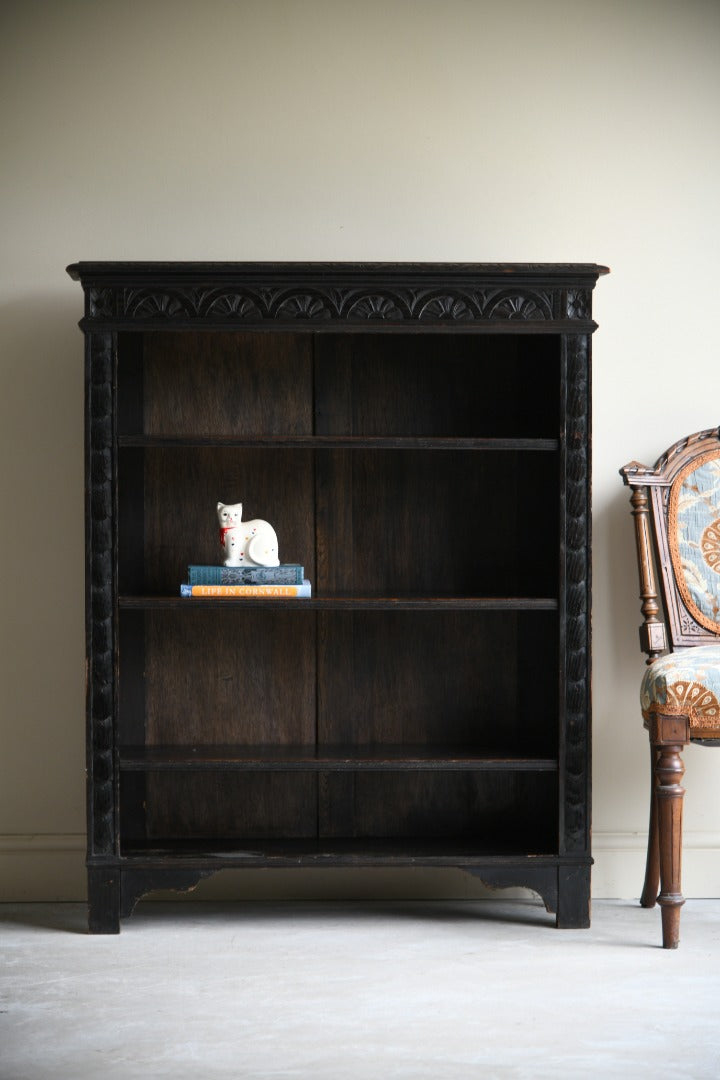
(246, 543)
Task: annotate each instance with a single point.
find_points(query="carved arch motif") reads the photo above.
(377, 306)
(515, 305)
(230, 304)
(317, 301)
(147, 304)
(446, 307)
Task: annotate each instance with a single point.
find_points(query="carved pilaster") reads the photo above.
(99, 615)
(575, 596)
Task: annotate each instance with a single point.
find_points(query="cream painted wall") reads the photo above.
(536, 130)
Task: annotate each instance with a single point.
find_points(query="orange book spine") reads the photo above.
(235, 591)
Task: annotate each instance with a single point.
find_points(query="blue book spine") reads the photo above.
(285, 574)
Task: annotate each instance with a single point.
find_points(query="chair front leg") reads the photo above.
(669, 734)
(652, 866)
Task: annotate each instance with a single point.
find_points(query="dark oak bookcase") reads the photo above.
(418, 434)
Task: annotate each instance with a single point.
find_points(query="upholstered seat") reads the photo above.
(676, 507)
(686, 682)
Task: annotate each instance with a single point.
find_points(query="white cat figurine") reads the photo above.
(246, 543)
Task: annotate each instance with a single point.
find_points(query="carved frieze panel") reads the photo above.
(317, 303)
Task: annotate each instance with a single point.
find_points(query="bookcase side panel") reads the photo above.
(575, 599)
(100, 591)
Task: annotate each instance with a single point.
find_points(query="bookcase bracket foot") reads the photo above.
(138, 883)
(543, 882)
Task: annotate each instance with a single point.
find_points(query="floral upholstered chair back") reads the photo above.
(681, 494)
(694, 538)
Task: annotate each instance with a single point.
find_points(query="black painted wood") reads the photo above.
(420, 436)
(573, 910)
(104, 899)
(541, 879)
(503, 852)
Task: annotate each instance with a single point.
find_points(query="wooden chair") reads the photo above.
(676, 507)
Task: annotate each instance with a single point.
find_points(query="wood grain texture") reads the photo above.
(195, 806)
(450, 524)
(438, 386)
(486, 810)
(238, 679)
(227, 384)
(433, 678)
(182, 488)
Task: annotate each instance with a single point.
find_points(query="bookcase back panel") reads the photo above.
(510, 812)
(455, 385)
(438, 523)
(493, 810)
(231, 677)
(486, 680)
(224, 384)
(227, 384)
(255, 806)
(383, 522)
(182, 487)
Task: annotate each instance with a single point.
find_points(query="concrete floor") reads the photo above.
(338, 991)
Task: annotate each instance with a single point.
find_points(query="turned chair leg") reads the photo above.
(652, 866)
(669, 770)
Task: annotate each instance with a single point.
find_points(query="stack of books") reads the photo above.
(235, 582)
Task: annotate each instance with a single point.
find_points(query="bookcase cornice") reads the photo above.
(153, 294)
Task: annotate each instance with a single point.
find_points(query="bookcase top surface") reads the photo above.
(155, 270)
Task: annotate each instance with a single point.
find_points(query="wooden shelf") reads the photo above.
(326, 758)
(311, 852)
(343, 603)
(336, 442)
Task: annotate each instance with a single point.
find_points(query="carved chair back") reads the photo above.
(676, 507)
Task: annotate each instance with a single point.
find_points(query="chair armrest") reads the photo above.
(653, 636)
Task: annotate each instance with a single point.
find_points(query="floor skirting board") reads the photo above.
(42, 867)
(620, 864)
(51, 867)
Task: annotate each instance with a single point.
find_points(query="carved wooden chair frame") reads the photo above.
(668, 727)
